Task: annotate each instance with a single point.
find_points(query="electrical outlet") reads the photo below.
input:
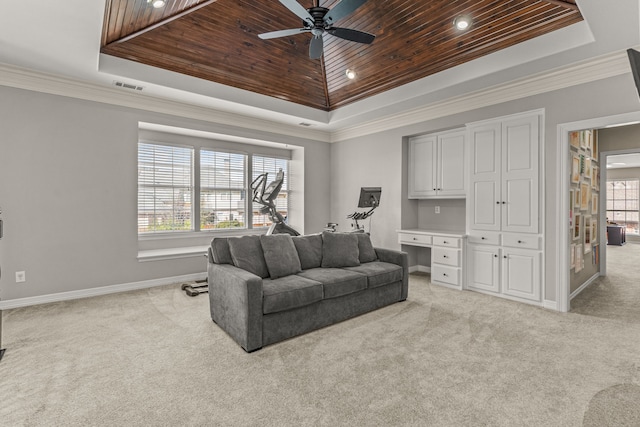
(21, 277)
(437, 209)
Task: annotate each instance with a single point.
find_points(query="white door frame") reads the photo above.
(563, 287)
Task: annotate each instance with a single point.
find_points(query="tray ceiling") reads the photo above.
(218, 41)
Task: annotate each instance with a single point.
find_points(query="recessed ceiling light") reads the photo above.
(157, 3)
(462, 23)
(350, 74)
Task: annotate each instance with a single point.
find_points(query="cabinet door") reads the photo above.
(451, 168)
(422, 158)
(483, 268)
(520, 175)
(484, 193)
(521, 273)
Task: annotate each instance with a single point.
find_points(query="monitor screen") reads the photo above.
(369, 197)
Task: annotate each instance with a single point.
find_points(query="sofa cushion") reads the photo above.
(336, 281)
(246, 252)
(379, 273)
(289, 292)
(220, 251)
(339, 250)
(309, 249)
(280, 254)
(365, 248)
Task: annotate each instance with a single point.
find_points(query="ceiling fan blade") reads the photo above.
(298, 10)
(352, 35)
(342, 9)
(315, 47)
(282, 33)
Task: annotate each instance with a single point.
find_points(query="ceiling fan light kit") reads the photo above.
(351, 74)
(319, 20)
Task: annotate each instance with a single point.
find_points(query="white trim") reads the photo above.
(419, 268)
(584, 286)
(602, 67)
(103, 290)
(550, 305)
(584, 72)
(172, 253)
(57, 85)
(562, 203)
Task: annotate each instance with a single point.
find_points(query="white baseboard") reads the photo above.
(103, 290)
(550, 305)
(420, 268)
(584, 286)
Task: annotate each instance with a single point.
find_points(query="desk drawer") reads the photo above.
(443, 273)
(451, 242)
(414, 239)
(445, 256)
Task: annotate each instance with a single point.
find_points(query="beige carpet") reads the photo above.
(442, 358)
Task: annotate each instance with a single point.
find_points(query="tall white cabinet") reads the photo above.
(503, 207)
(436, 165)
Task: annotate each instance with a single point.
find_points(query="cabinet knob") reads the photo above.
(445, 274)
(483, 238)
(504, 203)
(495, 255)
(434, 189)
(497, 203)
(415, 238)
(520, 241)
(504, 256)
(444, 256)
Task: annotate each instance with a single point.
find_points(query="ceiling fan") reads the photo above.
(319, 20)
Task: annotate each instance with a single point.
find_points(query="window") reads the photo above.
(165, 184)
(181, 189)
(622, 203)
(222, 190)
(271, 166)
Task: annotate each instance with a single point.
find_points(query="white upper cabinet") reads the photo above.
(504, 175)
(437, 165)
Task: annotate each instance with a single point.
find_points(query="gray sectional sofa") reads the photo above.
(265, 289)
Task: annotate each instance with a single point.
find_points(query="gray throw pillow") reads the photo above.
(367, 253)
(309, 249)
(246, 252)
(281, 255)
(220, 251)
(340, 249)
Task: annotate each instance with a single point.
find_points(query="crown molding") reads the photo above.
(575, 74)
(584, 72)
(22, 78)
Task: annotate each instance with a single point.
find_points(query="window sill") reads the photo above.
(172, 253)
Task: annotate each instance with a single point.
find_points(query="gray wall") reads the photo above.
(68, 192)
(378, 159)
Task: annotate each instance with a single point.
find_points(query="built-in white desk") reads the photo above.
(447, 253)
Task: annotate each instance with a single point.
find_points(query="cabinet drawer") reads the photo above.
(451, 242)
(443, 273)
(445, 256)
(525, 241)
(414, 239)
(486, 238)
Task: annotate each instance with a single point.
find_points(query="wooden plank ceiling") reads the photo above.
(218, 41)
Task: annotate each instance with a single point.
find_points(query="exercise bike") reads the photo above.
(266, 195)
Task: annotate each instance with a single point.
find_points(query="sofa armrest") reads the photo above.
(235, 300)
(399, 258)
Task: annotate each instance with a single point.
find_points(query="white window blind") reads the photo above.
(165, 188)
(623, 205)
(271, 165)
(222, 190)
